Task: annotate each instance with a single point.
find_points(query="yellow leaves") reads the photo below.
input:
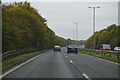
(108, 36)
(26, 27)
(13, 8)
(7, 18)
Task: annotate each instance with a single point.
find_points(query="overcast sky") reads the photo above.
(61, 15)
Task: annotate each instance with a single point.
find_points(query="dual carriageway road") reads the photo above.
(62, 65)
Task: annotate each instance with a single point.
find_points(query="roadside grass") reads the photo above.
(20, 58)
(106, 56)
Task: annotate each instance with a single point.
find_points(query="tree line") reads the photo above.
(110, 35)
(24, 28)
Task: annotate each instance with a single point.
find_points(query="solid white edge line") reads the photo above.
(86, 76)
(103, 59)
(19, 66)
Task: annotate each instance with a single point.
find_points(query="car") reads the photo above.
(72, 48)
(105, 46)
(66, 45)
(57, 48)
(117, 48)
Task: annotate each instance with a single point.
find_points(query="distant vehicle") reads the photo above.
(81, 46)
(57, 48)
(105, 46)
(117, 48)
(66, 45)
(72, 48)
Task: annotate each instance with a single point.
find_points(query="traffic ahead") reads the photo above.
(56, 64)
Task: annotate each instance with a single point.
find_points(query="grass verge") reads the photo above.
(112, 58)
(19, 59)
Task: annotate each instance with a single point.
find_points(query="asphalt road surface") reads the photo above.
(62, 65)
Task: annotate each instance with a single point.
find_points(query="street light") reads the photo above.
(76, 30)
(94, 23)
(0, 4)
(73, 33)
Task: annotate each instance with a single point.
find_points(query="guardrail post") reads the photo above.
(104, 53)
(117, 56)
(109, 55)
(14, 55)
(9, 56)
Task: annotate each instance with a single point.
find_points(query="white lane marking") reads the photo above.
(86, 76)
(103, 59)
(71, 61)
(19, 66)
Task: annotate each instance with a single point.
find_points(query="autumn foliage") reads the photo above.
(25, 28)
(111, 36)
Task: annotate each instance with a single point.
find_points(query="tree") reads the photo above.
(105, 36)
(24, 28)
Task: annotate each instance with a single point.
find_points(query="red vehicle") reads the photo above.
(105, 46)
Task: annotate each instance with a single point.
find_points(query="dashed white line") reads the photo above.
(71, 61)
(86, 76)
(82, 71)
(19, 66)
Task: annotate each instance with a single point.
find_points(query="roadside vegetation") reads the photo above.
(106, 56)
(25, 28)
(110, 35)
(6, 64)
